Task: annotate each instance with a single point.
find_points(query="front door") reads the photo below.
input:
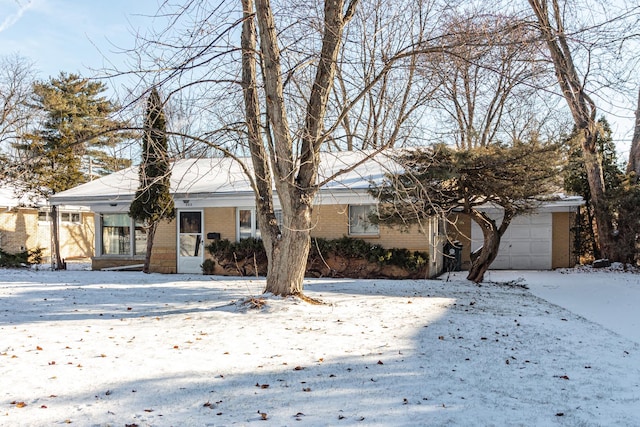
(190, 242)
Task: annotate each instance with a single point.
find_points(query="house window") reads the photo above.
(139, 238)
(359, 222)
(116, 234)
(73, 217)
(117, 238)
(44, 216)
(247, 223)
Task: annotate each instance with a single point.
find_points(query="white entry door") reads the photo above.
(190, 242)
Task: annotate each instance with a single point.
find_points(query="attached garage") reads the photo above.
(542, 240)
(526, 245)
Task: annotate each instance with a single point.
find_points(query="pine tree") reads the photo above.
(153, 202)
(76, 122)
(441, 181)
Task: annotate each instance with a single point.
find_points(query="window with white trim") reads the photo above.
(44, 216)
(72, 217)
(247, 223)
(68, 217)
(359, 221)
(117, 238)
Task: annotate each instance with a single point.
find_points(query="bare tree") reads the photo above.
(550, 21)
(295, 178)
(16, 80)
(487, 82)
(634, 153)
(393, 108)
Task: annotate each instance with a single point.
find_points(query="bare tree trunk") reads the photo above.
(634, 153)
(151, 234)
(583, 110)
(55, 231)
(492, 235)
(288, 256)
(287, 247)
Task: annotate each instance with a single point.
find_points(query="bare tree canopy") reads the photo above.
(567, 53)
(16, 79)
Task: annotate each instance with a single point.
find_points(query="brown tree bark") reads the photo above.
(583, 110)
(55, 236)
(287, 247)
(634, 152)
(151, 234)
(492, 235)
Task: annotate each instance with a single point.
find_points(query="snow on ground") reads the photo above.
(120, 348)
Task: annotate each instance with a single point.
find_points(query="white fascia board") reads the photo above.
(566, 205)
(345, 197)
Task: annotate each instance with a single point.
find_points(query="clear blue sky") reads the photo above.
(71, 35)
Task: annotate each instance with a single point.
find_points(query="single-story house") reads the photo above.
(25, 224)
(214, 200)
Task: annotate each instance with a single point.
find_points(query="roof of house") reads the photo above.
(224, 176)
(11, 198)
(221, 181)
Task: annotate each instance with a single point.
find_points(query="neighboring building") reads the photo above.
(214, 199)
(25, 224)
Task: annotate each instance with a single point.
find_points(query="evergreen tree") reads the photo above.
(442, 181)
(76, 123)
(153, 201)
(576, 182)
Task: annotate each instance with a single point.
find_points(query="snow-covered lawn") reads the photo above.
(101, 349)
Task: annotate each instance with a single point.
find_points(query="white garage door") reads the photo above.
(526, 245)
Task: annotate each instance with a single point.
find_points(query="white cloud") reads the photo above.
(23, 6)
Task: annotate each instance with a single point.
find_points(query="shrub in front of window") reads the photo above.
(235, 255)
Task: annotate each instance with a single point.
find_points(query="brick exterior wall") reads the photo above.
(562, 241)
(332, 222)
(163, 256)
(20, 230)
(459, 228)
(78, 240)
(220, 220)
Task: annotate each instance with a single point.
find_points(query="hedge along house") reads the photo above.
(25, 225)
(214, 200)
